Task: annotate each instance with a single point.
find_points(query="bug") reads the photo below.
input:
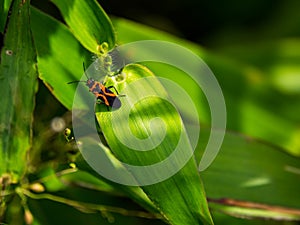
(102, 93)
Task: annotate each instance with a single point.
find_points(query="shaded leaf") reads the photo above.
(247, 172)
(17, 89)
(4, 7)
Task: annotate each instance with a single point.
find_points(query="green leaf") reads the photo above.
(242, 159)
(17, 89)
(60, 67)
(254, 106)
(100, 183)
(185, 187)
(60, 56)
(4, 8)
(89, 23)
(247, 171)
(221, 218)
(271, 89)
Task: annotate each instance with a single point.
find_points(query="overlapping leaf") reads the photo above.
(89, 23)
(17, 88)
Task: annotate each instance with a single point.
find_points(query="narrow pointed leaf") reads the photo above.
(181, 197)
(264, 89)
(248, 172)
(58, 67)
(88, 22)
(60, 56)
(17, 89)
(4, 8)
(245, 169)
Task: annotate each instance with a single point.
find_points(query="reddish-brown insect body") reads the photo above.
(102, 93)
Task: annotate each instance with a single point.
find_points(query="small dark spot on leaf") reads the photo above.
(9, 52)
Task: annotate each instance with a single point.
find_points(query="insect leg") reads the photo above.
(109, 87)
(113, 88)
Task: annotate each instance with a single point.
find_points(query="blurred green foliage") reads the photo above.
(253, 47)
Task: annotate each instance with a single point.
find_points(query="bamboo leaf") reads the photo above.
(258, 110)
(272, 174)
(4, 8)
(89, 23)
(185, 187)
(60, 56)
(17, 89)
(253, 180)
(59, 68)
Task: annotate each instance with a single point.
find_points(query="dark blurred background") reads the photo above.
(214, 22)
(209, 23)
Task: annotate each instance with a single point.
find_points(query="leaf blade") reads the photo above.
(88, 22)
(185, 187)
(18, 90)
(4, 8)
(251, 172)
(58, 62)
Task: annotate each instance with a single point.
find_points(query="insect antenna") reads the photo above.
(84, 69)
(77, 81)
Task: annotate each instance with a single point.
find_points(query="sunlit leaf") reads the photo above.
(184, 187)
(58, 62)
(246, 75)
(88, 22)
